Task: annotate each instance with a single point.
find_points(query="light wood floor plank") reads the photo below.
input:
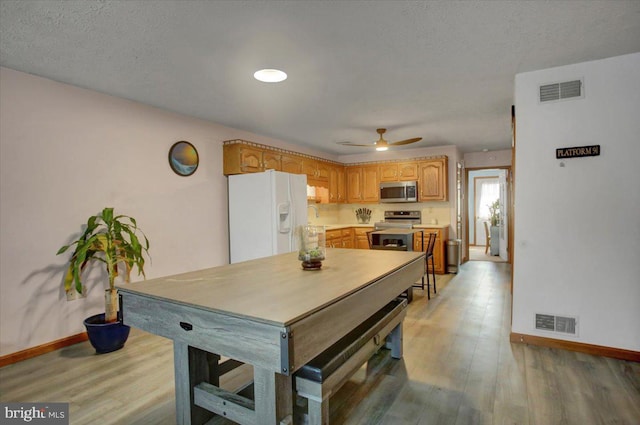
(458, 368)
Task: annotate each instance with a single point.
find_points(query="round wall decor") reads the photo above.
(183, 158)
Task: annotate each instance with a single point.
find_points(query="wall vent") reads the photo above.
(561, 91)
(561, 324)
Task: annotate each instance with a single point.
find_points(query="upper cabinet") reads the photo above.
(363, 184)
(317, 172)
(337, 186)
(239, 159)
(370, 184)
(291, 164)
(354, 185)
(345, 183)
(398, 171)
(433, 182)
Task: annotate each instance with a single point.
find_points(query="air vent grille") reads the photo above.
(560, 91)
(562, 324)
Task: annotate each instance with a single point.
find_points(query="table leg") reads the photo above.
(396, 341)
(192, 366)
(273, 397)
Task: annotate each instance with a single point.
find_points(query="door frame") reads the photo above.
(509, 179)
(475, 204)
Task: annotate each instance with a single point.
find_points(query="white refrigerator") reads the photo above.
(265, 209)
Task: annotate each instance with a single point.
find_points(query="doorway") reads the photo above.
(488, 191)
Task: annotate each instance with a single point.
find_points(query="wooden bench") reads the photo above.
(327, 372)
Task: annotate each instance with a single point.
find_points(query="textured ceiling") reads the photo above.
(441, 70)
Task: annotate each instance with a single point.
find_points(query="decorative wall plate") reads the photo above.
(183, 158)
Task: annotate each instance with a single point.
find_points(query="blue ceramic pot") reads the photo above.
(106, 337)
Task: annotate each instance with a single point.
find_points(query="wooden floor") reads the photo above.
(477, 253)
(458, 368)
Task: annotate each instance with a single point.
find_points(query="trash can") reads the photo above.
(454, 253)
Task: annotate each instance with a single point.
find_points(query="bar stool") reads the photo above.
(429, 254)
(370, 238)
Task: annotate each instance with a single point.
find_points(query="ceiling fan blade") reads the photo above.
(406, 142)
(355, 144)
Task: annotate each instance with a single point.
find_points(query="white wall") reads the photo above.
(488, 159)
(65, 153)
(577, 234)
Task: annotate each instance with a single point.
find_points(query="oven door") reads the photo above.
(402, 242)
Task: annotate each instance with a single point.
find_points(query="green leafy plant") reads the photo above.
(494, 212)
(112, 241)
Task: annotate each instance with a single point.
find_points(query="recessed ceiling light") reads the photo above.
(270, 75)
(485, 150)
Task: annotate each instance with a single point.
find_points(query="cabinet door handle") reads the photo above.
(186, 326)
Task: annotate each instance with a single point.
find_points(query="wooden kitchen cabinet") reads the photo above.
(360, 237)
(354, 184)
(398, 171)
(310, 168)
(239, 159)
(317, 172)
(337, 187)
(291, 164)
(333, 238)
(439, 249)
(433, 182)
(340, 238)
(323, 170)
(363, 184)
(345, 183)
(347, 238)
(370, 184)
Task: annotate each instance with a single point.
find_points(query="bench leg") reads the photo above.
(318, 412)
(395, 338)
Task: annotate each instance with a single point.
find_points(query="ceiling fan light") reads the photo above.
(270, 75)
(382, 148)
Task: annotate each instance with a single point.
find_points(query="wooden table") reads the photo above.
(266, 312)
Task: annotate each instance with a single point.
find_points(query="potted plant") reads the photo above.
(494, 212)
(113, 241)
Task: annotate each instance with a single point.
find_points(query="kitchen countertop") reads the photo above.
(430, 226)
(372, 224)
(396, 231)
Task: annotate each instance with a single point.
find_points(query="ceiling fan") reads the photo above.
(383, 145)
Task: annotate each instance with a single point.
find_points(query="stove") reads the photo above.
(399, 220)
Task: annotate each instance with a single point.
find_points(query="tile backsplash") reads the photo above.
(432, 212)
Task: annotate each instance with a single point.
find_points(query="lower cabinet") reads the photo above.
(361, 240)
(340, 238)
(439, 249)
(347, 237)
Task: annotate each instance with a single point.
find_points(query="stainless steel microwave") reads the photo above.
(399, 191)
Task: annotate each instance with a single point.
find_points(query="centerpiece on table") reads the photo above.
(312, 247)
